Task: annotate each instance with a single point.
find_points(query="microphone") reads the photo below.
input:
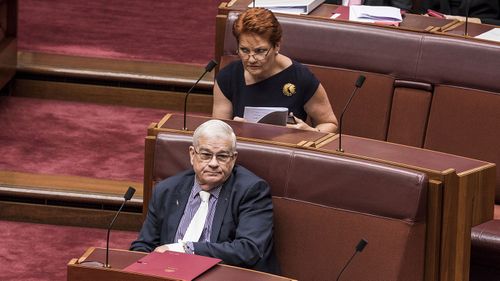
(208, 68)
(359, 248)
(359, 83)
(128, 195)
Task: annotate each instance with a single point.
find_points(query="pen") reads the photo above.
(435, 14)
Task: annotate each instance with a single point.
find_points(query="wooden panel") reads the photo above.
(220, 26)
(433, 231)
(73, 184)
(153, 73)
(148, 171)
(119, 259)
(245, 130)
(168, 100)
(71, 216)
(483, 198)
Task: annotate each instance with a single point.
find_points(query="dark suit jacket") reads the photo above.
(402, 4)
(487, 10)
(242, 228)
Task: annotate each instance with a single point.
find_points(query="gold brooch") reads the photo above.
(289, 89)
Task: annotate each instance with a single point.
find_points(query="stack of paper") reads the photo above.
(375, 14)
(295, 7)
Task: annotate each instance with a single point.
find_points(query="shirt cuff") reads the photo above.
(189, 247)
(176, 247)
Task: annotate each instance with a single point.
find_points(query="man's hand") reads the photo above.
(174, 247)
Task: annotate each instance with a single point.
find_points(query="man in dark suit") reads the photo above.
(234, 206)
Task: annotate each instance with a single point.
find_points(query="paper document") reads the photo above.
(267, 115)
(374, 14)
(492, 35)
(295, 7)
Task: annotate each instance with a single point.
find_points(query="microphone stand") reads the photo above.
(208, 68)
(359, 83)
(359, 248)
(128, 195)
(467, 7)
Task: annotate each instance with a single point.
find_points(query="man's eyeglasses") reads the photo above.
(208, 156)
(258, 54)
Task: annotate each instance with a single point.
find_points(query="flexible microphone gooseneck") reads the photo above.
(359, 83)
(128, 195)
(208, 68)
(359, 248)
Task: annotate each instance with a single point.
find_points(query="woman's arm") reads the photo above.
(222, 107)
(320, 111)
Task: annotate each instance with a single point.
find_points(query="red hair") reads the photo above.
(260, 21)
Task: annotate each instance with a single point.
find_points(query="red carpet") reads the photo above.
(30, 252)
(71, 138)
(171, 31)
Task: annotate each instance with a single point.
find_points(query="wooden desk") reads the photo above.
(461, 190)
(411, 22)
(325, 11)
(277, 135)
(119, 259)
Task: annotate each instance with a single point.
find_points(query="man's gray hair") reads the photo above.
(215, 128)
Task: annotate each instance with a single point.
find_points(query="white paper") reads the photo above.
(492, 35)
(288, 6)
(290, 11)
(256, 114)
(374, 14)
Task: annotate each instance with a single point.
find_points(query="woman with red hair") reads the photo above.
(265, 77)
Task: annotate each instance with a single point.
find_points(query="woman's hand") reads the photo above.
(236, 118)
(300, 124)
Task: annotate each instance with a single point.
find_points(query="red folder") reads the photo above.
(174, 265)
(343, 11)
